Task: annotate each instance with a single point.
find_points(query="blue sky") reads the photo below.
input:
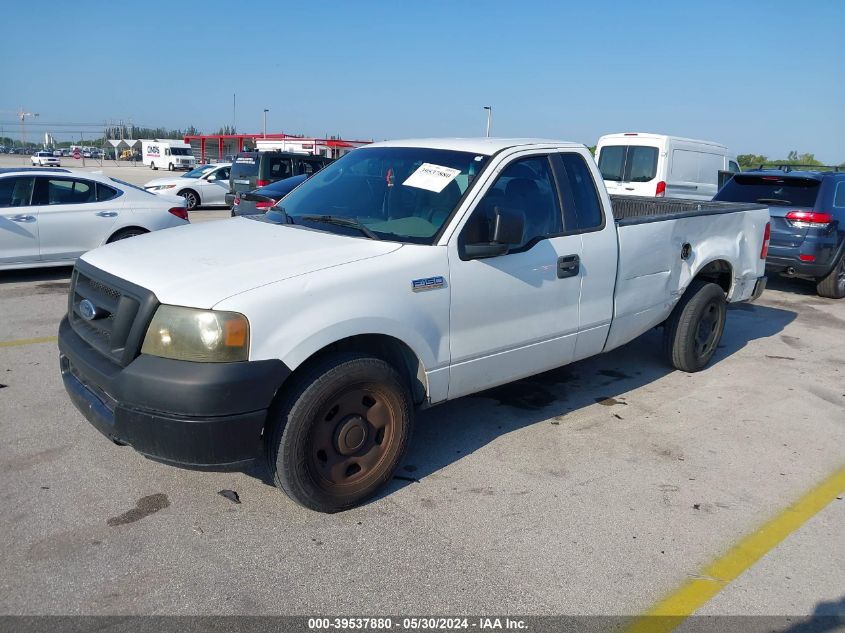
(762, 77)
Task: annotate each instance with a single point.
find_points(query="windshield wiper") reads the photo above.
(339, 220)
(774, 201)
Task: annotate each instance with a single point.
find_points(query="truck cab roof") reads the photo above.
(479, 145)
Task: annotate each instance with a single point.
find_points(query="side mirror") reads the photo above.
(506, 228)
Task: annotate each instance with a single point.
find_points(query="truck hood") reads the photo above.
(202, 264)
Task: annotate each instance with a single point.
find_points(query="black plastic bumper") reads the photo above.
(199, 415)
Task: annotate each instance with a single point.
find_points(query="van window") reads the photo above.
(642, 163)
(278, 168)
(628, 163)
(612, 162)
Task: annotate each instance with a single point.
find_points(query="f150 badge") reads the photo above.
(429, 283)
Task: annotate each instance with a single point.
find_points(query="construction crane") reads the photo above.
(22, 116)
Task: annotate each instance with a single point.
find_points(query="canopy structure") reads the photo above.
(120, 145)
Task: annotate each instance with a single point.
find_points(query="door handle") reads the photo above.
(568, 266)
(107, 214)
(22, 218)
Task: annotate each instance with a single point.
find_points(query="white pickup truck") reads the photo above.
(403, 275)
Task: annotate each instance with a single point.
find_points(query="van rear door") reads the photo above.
(629, 170)
(244, 173)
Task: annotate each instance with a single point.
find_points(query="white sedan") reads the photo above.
(205, 185)
(45, 159)
(49, 217)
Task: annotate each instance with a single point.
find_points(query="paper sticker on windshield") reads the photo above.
(431, 177)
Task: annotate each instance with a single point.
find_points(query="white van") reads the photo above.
(656, 165)
(168, 154)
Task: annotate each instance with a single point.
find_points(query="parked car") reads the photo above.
(50, 216)
(808, 221)
(260, 200)
(45, 159)
(57, 153)
(642, 164)
(205, 185)
(405, 274)
(251, 170)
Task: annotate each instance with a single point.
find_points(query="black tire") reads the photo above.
(153, 166)
(170, 167)
(833, 286)
(192, 199)
(339, 431)
(695, 327)
(123, 234)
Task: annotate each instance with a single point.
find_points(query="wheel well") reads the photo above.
(718, 272)
(125, 229)
(387, 348)
(186, 189)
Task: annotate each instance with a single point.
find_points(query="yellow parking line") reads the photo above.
(29, 341)
(667, 614)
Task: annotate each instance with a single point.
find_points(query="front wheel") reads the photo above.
(170, 167)
(191, 199)
(340, 432)
(833, 286)
(695, 327)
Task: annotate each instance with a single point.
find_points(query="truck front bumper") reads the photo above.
(196, 415)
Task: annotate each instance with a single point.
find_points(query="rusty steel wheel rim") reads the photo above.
(351, 439)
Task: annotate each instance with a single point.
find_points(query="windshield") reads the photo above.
(397, 193)
(180, 151)
(199, 171)
(130, 185)
(772, 190)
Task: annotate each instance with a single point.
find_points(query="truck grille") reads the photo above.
(122, 313)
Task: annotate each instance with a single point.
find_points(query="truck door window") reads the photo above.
(579, 194)
(733, 167)
(525, 186)
(15, 192)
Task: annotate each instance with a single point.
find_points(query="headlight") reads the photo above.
(204, 336)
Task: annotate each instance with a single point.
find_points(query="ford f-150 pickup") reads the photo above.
(403, 275)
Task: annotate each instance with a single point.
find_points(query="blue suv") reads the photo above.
(808, 221)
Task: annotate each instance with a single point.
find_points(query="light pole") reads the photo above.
(489, 118)
(265, 122)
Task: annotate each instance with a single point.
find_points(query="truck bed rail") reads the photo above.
(640, 210)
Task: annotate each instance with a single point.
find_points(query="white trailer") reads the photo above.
(168, 154)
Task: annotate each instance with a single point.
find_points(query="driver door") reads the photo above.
(516, 314)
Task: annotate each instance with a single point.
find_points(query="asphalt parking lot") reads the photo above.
(599, 488)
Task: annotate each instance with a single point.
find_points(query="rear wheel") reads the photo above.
(833, 286)
(153, 166)
(192, 200)
(340, 432)
(125, 233)
(695, 327)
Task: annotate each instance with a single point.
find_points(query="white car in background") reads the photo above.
(49, 217)
(45, 159)
(205, 185)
